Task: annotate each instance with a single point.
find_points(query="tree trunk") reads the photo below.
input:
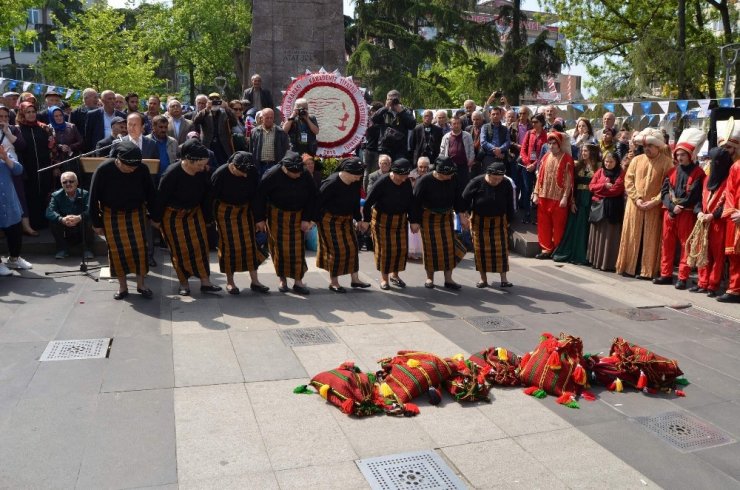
(191, 75)
(516, 24)
(681, 49)
(724, 12)
(711, 57)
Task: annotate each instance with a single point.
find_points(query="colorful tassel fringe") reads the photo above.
(503, 354)
(553, 362)
(302, 390)
(641, 381)
(616, 386)
(348, 406)
(579, 375)
(324, 391)
(568, 399)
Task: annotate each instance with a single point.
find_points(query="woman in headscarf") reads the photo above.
(68, 142)
(575, 238)
(490, 200)
(35, 155)
(285, 207)
(607, 189)
(436, 195)
(709, 210)
(339, 204)
(183, 209)
(391, 201)
(234, 189)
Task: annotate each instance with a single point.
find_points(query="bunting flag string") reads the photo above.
(9, 84)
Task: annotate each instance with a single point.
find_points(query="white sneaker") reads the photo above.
(4, 271)
(18, 263)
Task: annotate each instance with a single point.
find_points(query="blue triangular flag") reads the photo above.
(646, 107)
(609, 107)
(13, 84)
(37, 89)
(579, 107)
(682, 105)
(725, 102)
(78, 94)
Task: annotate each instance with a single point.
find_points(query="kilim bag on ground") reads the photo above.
(470, 382)
(347, 387)
(642, 368)
(411, 374)
(554, 367)
(503, 363)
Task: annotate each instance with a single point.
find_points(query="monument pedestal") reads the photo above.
(291, 36)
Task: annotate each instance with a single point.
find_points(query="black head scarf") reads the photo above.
(719, 167)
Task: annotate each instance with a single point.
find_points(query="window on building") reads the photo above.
(34, 16)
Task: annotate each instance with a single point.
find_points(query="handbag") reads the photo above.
(597, 212)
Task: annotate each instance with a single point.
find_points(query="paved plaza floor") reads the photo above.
(197, 392)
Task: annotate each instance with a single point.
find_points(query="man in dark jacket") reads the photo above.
(259, 98)
(68, 212)
(495, 140)
(395, 122)
(268, 143)
(215, 125)
(97, 122)
(118, 129)
(302, 129)
(426, 138)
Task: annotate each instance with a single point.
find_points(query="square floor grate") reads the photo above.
(637, 314)
(423, 470)
(493, 323)
(296, 337)
(684, 432)
(66, 350)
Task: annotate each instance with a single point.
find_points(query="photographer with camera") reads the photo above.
(426, 138)
(395, 121)
(215, 123)
(302, 129)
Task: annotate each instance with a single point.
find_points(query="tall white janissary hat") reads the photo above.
(650, 136)
(731, 134)
(691, 141)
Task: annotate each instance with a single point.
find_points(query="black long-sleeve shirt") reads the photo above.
(484, 199)
(232, 189)
(338, 198)
(678, 195)
(180, 190)
(389, 198)
(279, 190)
(437, 195)
(119, 191)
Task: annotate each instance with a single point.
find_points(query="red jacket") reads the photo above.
(532, 144)
(598, 186)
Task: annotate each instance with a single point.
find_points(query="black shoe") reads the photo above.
(680, 284)
(259, 288)
(429, 285)
(360, 284)
(152, 262)
(729, 298)
(526, 220)
(283, 289)
(627, 274)
(543, 256)
(697, 289)
(145, 293)
(120, 295)
(662, 280)
(183, 291)
(452, 285)
(397, 281)
(506, 284)
(210, 289)
(481, 284)
(384, 286)
(711, 294)
(232, 290)
(300, 289)
(640, 277)
(337, 289)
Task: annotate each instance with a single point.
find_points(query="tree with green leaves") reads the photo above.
(14, 29)
(95, 51)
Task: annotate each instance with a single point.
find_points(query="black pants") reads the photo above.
(14, 237)
(65, 236)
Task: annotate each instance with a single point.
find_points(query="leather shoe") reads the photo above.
(120, 294)
(506, 284)
(232, 290)
(360, 284)
(300, 289)
(680, 284)
(384, 286)
(145, 293)
(481, 284)
(711, 294)
(697, 289)
(337, 289)
(663, 280)
(543, 256)
(729, 298)
(397, 281)
(210, 289)
(283, 289)
(429, 285)
(152, 262)
(183, 291)
(259, 288)
(452, 285)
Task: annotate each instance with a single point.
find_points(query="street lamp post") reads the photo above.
(729, 56)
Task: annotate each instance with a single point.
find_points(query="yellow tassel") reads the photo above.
(459, 357)
(413, 363)
(385, 390)
(503, 355)
(324, 391)
(619, 387)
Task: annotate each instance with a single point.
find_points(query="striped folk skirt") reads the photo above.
(337, 245)
(442, 249)
(491, 243)
(287, 248)
(390, 239)
(125, 234)
(237, 246)
(184, 230)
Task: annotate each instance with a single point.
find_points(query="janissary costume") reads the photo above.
(731, 213)
(641, 229)
(681, 190)
(710, 209)
(554, 183)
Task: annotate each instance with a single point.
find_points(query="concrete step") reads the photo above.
(44, 245)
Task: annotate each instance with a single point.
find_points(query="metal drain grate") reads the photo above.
(422, 469)
(637, 314)
(296, 337)
(66, 350)
(493, 323)
(684, 432)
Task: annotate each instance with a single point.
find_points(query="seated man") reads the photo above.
(67, 208)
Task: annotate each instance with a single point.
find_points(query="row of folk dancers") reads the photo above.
(285, 204)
